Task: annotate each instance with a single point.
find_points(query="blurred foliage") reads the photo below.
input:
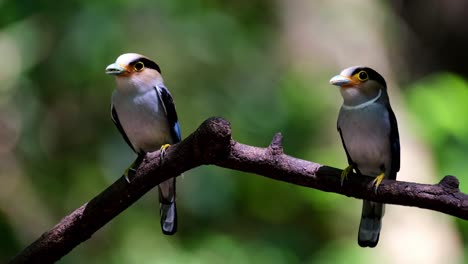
(59, 148)
(440, 105)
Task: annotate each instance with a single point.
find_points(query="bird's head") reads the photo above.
(359, 84)
(135, 72)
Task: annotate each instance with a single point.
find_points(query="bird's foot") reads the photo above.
(128, 173)
(378, 180)
(131, 170)
(163, 151)
(345, 173)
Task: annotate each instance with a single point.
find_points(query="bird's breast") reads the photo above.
(143, 119)
(366, 135)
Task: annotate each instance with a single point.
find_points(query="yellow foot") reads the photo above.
(344, 174)
(163, 151)
(378, 180)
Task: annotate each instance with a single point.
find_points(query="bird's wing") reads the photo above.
(169, 107)
(350, 161)
(394, 144)
(115, 119)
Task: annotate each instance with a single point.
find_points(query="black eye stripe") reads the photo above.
(147, 63)
(371, 75)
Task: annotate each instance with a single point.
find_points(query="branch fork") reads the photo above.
(212, 144)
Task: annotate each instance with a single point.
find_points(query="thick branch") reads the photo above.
(211, 143)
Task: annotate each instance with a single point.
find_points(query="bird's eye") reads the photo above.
(139, 66)
(362, 76)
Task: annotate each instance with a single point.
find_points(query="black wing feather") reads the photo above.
(394, 143)
(115, 119)
(350, 161)
(171, 113)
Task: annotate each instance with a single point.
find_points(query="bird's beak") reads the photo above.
(340, 80)
(115, 69)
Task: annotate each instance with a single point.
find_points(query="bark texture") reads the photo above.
(212, 144)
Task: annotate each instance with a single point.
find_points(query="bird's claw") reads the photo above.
(378, 180)
(126, 178)
(129, 172)
(163, 151)
(345, 173)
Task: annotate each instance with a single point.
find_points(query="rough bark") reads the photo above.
(212, 144)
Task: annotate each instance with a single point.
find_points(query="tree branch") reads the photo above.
(211, 143)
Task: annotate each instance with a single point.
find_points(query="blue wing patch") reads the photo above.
(176, 130)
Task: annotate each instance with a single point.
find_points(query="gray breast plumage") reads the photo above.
(143, 119)
(366, 135)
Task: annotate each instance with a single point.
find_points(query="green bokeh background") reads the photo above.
(59, 148)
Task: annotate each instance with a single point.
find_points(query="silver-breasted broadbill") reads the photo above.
(144, 112)
(369, 134)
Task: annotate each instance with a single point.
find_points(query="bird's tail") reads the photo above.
(167, 206)
(371, 222)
